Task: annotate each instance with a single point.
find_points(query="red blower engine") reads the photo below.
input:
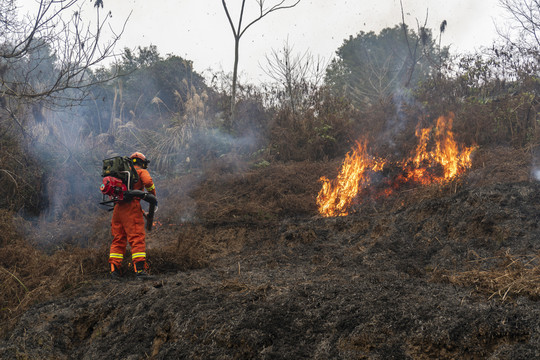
(117, 191)
(114, 188)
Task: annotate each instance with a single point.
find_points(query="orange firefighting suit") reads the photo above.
(128, 224)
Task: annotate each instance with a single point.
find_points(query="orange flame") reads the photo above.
(445, 153)
(436, 150)
(335, 197)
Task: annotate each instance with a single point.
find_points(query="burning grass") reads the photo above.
(437, 159)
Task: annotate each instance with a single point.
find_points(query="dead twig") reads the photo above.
(16, 278)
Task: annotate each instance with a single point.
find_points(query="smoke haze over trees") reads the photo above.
(371, 67)
(378, 86)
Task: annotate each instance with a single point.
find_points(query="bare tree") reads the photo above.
(376, 80)
(414, 54)
(297, 73)
(526, 22)
(47, 55)
(239, 29)
(518, 52)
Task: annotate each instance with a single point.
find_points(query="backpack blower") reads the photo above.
(119, 175)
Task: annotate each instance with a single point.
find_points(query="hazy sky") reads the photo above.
(198, 30)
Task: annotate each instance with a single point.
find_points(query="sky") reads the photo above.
(198, 30)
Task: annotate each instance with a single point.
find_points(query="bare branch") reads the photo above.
(526, 17)
(238, 32)
(44, 55)
(263, 12)
(229, 17)
(296, 73)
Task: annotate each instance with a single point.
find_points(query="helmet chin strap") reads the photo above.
(139, 162)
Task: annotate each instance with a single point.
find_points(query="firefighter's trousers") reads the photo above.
(127, 227)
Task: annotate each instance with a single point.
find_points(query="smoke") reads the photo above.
(208, 154)
(396, 124)
(535, 166)
(66, 154)
(74, 163)
(394, 137)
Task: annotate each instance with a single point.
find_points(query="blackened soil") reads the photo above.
(378, 284)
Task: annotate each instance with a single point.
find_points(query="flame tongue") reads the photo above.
(437, 158)
(335, 197)
(444, 154)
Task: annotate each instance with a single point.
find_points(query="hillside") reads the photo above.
(378, 204)
(433, 272)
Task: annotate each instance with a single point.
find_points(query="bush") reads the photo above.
(21, 176)
(321, 131)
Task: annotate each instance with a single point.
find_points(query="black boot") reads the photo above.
(115, 272)
(141, 270)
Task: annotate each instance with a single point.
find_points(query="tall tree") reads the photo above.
(149, 85)
(371, 67)
(239, 29)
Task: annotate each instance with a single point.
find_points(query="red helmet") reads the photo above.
(139, 159)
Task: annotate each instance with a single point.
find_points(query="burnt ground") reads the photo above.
(441, 273)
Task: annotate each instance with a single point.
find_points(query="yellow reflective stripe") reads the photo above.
(116, 256)
(151, 187)
(138, 255)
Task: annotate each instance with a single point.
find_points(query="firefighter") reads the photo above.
(128, 224)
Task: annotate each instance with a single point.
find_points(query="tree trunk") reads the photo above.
(234, 80)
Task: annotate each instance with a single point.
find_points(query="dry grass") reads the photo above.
(52, 258)
(27, 275)
(9, 232)
(20, 176)
(500, 164)
(515, 275)
(263, 194)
